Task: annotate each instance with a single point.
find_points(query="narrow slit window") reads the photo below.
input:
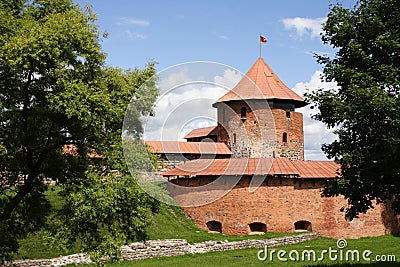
(243, 112)
(284, 137)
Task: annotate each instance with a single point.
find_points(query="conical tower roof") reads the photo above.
(260, 82)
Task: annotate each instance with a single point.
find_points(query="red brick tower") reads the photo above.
(257, 118)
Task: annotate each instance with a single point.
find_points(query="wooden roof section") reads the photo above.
(176, 147)
(260, 82)
(202, 132)
(256, 166)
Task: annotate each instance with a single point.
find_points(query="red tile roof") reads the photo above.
(175, 147)
(256, 166)
(316, 169)
(234, 166)
(260, 82)
(72, 149)
(200, 132)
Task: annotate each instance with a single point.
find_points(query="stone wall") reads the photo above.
(279, 203)
(167, 248)
(79, 258)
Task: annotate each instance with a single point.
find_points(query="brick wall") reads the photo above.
(278, 204)
(293, 148)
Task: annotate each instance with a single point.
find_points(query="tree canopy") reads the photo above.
(365, 110)
(55, 89)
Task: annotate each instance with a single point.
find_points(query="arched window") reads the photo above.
(284, 137)
(243, 112)
(302, 226)
(257, 227)
(214, 226)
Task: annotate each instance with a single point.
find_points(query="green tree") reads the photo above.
(366, 107)
(56, 90)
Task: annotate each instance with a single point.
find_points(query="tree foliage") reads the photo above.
(57, 90)
(366, 108)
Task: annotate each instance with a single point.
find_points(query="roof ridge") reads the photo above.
(264, 84)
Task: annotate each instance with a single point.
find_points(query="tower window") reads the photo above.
(287, 114)
(234, 138)
(243, 112)
(284, 137)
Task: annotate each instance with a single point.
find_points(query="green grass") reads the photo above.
(169, 223)
(383, 245)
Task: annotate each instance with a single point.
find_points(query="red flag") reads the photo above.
(263, 40)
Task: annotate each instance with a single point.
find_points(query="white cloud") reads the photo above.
(229, 79)
(131, 35)
(132, 21)
(315, 133)
(304, 26)
(186, 104)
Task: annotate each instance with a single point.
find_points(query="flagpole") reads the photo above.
(260, 44)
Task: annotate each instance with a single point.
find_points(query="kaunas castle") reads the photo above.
(247, 174)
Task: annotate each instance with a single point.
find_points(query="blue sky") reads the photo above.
(172, 32)
(227, 32)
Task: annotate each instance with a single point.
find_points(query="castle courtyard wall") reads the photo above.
(279, 203)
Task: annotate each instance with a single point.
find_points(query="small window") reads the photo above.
(243, 112)
(284, 137)
(302, 226)
(258, 227)
(234, 138)
(214, 226)
(287, 114)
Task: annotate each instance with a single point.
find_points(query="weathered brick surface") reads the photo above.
(279, 203)
(293, 127)
(259, 134)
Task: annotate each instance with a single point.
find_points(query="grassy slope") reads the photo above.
(169, 223)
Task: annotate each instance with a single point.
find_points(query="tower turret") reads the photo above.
(257, 118)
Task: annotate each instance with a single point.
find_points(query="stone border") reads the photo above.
(167, 248)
